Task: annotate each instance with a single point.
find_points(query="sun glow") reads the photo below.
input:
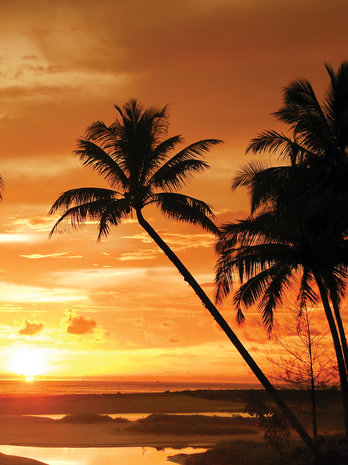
(28, 362)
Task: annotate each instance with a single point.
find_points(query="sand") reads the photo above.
(18, 429)
(119, 403)
(14, 460)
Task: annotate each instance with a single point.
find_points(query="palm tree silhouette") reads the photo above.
(300, 228)
(133, 155)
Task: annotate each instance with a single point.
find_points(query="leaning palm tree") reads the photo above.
(133, 155)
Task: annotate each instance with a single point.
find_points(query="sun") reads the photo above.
(28, 362)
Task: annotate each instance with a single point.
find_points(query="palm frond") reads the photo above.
(266, 185)
(336, 281)
(158, 155)
(278, 144)
(306, 293)
(248, 262)
(192, 152)
(273, 294)
(102, 134)
(184, 208)
(253, 230)
(245, 177)
(336, 105)
(308, 118)
(95, 157)
(173, 177)
(78, 215)
(253, 290)
(112, 216)
(81, 196)
(105, 212)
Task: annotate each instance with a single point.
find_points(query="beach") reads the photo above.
(171, 419)
(18, 426)
(87, 424)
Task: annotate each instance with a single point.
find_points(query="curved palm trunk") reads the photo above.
(313, 393)
(207, 303)
(336, 340)
(341, 331)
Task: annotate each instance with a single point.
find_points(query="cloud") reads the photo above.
(16, 237)
(10, 292)
(36, 256)
(178, 241)
(30, 328)
(138, 255)
(37, 223)
(76, 324)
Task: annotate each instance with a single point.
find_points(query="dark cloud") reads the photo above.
(79, 325)
(30, 328)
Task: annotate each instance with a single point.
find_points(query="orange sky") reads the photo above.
(117, 307)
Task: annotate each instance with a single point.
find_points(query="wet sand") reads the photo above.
(119, 403)
(14, 460)
(17, 429)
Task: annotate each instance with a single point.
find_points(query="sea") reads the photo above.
(64, 387)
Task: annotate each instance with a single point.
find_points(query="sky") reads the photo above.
(117, 307)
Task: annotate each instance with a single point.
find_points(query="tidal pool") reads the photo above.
(97, 455)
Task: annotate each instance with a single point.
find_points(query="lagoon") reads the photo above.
(97, 455)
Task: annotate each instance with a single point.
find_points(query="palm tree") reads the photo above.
(302, 224)
(271, 257)
(133, 155)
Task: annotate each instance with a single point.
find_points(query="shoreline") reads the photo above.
(85, 428)
(17, 427)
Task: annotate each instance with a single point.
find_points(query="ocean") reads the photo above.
(60, 387)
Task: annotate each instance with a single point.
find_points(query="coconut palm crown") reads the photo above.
(133, 155)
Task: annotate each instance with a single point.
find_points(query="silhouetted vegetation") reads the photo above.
(193, 424)
(296, 234)
(331, 451)
(133, 155)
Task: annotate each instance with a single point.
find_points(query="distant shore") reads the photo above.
(167, 402)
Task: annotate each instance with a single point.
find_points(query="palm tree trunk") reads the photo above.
(313, 393)
(338, 349)
(340, 330)
(207, 303)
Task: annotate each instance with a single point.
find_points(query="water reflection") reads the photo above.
(97, 455)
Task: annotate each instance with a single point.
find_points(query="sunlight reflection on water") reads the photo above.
(97, 455)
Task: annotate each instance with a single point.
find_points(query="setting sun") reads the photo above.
(28, 362)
